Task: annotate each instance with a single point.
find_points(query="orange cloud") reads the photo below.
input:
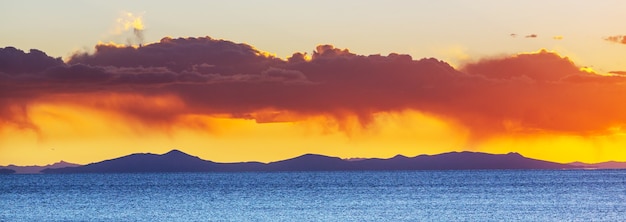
(546, 92)
(619, 73)
(531, 36)
(159, 83)
(616, 39)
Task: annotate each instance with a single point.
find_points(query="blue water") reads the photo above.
(496, 195)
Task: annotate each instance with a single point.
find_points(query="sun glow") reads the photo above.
(129, 21)
(542, 51)
(84, 132)
(562, 147)
(266, 54)
(112, 44)
(588, 70)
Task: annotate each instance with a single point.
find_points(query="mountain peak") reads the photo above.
(175, 152)
(61, 164)
(514, 154)
(400, 156)
(179, 155)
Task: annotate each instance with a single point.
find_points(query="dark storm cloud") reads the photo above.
(541, 66)
(181, 54)
(527, 92)
(14, 61)
(77, 73)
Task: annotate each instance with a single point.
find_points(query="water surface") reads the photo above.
(488, 195)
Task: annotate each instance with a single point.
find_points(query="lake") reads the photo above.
(484, 195)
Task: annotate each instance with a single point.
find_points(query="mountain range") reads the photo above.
(178, 161)
(36, 169)
(603, 165)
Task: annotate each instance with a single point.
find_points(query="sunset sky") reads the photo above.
(229, 81)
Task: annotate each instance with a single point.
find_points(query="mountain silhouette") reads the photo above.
(173, 161)
(37, 169)
(602, 165)
(310, 162)
(6, 171)
(177, 161)
(459, 161)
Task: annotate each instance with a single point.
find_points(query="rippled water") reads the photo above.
(581, 195)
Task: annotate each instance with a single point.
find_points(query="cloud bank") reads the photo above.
(156, 83)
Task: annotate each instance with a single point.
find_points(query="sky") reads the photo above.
(229, 81)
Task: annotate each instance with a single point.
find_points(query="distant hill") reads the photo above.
(37, 169)
(6, 171)
(177, 161)
(603, 165)
(173, 161)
